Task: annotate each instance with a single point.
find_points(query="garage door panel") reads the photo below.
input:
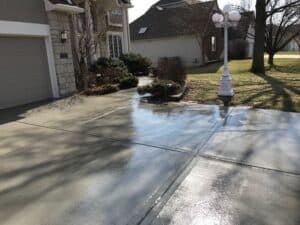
(24, 73)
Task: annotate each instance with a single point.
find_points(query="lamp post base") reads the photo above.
(226, 100)
(226, 92)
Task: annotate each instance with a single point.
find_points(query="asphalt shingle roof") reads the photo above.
(167, 22)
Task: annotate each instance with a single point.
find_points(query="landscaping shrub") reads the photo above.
(112, 63)
(128, 82)
(102, 90)
(110, 70)
(171, 69)
(118, 65)
(161, 88)
(136, 63)
(238, 49)
(145, 89)
(103, 62)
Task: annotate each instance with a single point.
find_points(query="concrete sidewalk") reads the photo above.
(116, 160)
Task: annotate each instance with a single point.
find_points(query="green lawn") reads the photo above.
(288, 53)
(278, 89)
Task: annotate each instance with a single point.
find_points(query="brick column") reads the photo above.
(63, 56)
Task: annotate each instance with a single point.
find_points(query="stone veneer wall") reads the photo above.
(64, 66)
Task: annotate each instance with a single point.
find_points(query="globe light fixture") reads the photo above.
(234, 16)
(229, 18)
(218, 18)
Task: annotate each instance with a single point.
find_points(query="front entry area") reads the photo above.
(24, 71)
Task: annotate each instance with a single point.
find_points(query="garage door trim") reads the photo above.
(12, 28)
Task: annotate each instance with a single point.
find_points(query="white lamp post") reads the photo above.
(229, 18)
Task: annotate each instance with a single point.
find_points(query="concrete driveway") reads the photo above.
(115, 160)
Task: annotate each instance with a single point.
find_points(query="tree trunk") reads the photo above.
(89, 23)
(75, 43)
(259, 43)
(271, 59)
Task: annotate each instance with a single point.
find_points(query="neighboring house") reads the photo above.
(287, 37)
(36, 59)
(293, 46)
(163, 32)
(245, 30)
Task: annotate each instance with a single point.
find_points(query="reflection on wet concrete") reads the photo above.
(222, 193)
(108, 160)
(262, 138)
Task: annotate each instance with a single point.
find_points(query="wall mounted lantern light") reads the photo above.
(64, 36)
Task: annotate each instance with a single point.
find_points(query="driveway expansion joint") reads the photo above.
(164, 148)
(247, 165)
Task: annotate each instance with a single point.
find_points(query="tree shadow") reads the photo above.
(286, 68)
(279, 90)
(15, 113)
(19, 112)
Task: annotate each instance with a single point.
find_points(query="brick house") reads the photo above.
(36, 58)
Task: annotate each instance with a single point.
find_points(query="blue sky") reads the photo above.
(141, 6)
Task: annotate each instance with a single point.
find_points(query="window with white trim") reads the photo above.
(115, 17)
(115, 45)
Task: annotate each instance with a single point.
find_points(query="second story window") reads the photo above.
(115, 17)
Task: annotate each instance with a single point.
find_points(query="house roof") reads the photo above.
(64, 2)
(70, 2)
(125, 1)
(165, 20)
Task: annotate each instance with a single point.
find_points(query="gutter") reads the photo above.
(62, 7)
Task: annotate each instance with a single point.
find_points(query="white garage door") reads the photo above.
(24, 71)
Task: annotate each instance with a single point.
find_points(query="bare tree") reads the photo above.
(282, 27)
(263, 11)
(84, 44)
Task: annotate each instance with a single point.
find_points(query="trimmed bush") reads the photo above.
(111, 63)
(118, 65)
(145, 89)
(103, 62)
(171, 69)
(161, 88)
(136, 63)
(110, 71)
(102, 90)
(128, 82)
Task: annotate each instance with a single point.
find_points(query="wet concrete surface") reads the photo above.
(52, 177)
(112, 159)
(262, 138)
(221, 193)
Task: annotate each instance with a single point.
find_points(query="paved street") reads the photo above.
(116, 160)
